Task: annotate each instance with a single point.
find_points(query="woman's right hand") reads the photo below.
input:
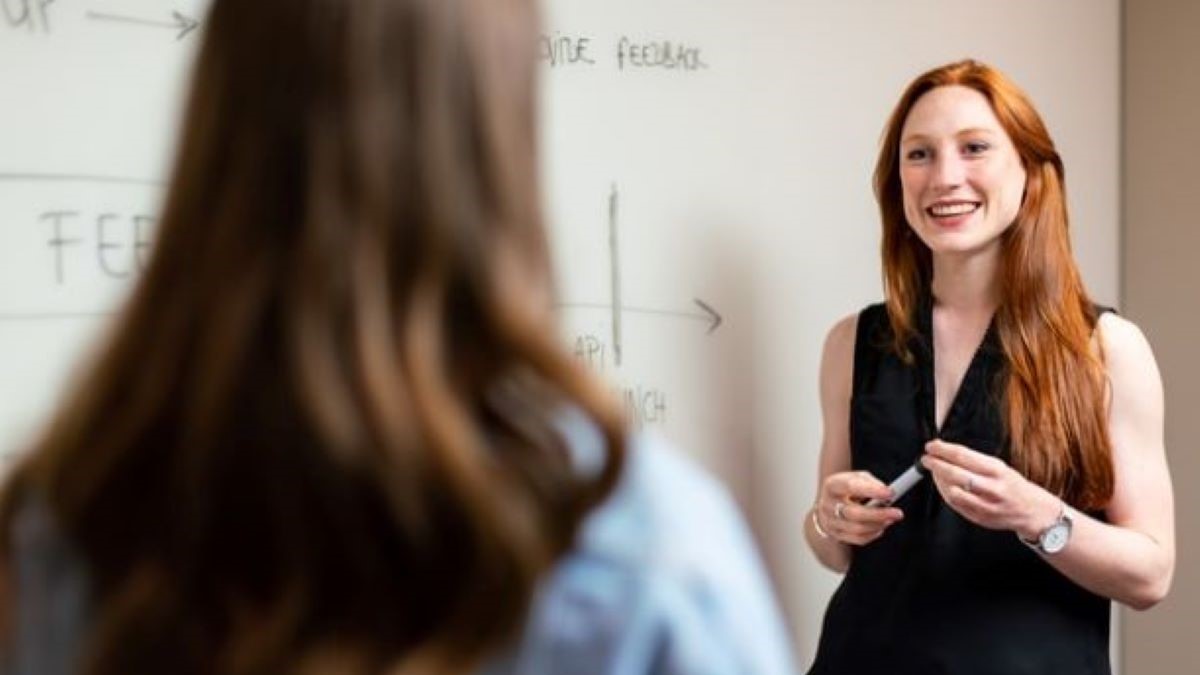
(841, 509)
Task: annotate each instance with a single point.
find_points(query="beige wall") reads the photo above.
(1161, 288)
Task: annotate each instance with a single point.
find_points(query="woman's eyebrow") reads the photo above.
(913, 138)
(973, 131)
(969, 131)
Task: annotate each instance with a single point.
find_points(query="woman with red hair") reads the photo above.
(1036, 415)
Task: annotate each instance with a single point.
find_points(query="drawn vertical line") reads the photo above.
(614, 262)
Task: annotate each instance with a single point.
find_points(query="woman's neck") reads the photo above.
(967, 284)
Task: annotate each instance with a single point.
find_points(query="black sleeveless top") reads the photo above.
(937, 594)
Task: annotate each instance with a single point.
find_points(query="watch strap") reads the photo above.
(1037, 544)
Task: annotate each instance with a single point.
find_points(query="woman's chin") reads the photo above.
(956, 244)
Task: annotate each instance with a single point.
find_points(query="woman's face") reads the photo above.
(961, 176)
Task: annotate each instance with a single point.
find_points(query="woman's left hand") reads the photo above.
(988, 492)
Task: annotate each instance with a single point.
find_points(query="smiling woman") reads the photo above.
(961, 174)
(1039, 415)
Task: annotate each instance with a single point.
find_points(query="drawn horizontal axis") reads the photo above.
(707, 314)
(17, 177)
(51, 316)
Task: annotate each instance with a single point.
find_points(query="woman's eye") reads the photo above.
(916, 154)
(976, 148)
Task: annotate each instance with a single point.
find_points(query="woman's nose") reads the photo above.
(948, 171)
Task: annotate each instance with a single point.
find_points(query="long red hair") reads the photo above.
(1054, 386)
(326, 434)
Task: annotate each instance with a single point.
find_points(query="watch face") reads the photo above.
(1055, 538)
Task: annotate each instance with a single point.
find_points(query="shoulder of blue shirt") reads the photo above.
(664, 577)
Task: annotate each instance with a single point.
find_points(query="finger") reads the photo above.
(877, 533)
(855, 485)
(837, 486)
(937, 466)
(835, 489)
(967, 458)
(975, 507)
(861, 536)
(863, 486)
(948, 474)
(941, 472)
(835, 521)
(940, 482)
(831, 519)
(860, 521)
(968, 504)
(865, 534)
(871, 514)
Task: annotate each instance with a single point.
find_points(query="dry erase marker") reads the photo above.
(901, 485)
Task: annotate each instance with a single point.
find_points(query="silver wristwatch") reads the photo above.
(1054, 538)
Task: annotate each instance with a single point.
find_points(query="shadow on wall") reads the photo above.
(727, 260)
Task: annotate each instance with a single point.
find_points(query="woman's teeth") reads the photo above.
(943, 210)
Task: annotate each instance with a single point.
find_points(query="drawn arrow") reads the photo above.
(706, 314)
(180, 22)
(714, 318)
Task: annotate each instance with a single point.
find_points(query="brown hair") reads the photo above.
(324, 433)
(1054, 384)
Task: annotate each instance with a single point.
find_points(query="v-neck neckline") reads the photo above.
(970, 376)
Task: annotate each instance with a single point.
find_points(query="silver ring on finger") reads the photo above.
(837, 510)
(969, 486)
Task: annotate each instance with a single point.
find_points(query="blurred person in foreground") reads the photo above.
(334, 430)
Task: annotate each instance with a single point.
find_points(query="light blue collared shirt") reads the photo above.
(664, 579)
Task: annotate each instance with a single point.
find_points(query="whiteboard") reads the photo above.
(707, 165)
